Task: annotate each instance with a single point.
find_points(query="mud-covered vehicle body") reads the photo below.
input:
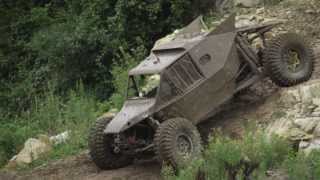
(194, 74)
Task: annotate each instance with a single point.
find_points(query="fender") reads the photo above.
(132, 112)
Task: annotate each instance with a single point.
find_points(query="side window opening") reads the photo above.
(143, 86)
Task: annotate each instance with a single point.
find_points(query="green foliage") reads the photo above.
(227, 158)
(11, 139)
(191, 172)
(250, 157)
(120, 74)
(52, 115)
(303, 167)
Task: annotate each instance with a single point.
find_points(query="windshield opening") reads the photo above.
(143, 86)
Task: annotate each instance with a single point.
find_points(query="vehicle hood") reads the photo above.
(132, 112)
(163, 55)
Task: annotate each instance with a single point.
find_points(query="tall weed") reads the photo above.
(52, 115)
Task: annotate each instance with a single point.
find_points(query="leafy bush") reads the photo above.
(52, 115)
(120, 74)
(11, 139)
(249, 157)
(303, 167)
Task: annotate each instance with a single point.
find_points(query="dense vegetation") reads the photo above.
(64, 62)
(255, 156)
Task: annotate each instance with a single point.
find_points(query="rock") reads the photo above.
(276, 175)
(260, 10)
(316, 101)
(316, 113)
(247, 3)
(260, 19)
(307, 124)
(302, 122)
(316, 131)
(303, 144)
(60, 138)
(32, 150)
(307, 147)
(288, 12)
(310, 11)
(244, 23)
(296, 134)
(281, 127)
(310, 91)
(257, 44)
(44, 138)
(290, 97)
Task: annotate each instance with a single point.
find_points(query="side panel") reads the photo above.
(209, 95)
(212, 54)
(217, 60)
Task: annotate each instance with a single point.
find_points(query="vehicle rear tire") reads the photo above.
(289, 60)
(177, 141)
(100, 148)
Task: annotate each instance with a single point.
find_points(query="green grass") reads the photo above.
(50, 116)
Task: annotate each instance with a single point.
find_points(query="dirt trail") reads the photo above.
(80, 167)
(244, 108)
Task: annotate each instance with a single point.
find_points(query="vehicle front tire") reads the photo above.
(177, 142)
(289, 60)
(100, 147)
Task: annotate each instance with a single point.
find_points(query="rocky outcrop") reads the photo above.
(297, 117)
(34, 148)
(248, 3)
(256, 17)
(31, 151)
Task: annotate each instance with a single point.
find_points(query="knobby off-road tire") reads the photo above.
(173, 138)
(100, 148)
(278, 55)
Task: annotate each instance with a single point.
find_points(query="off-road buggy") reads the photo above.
(192, 76)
